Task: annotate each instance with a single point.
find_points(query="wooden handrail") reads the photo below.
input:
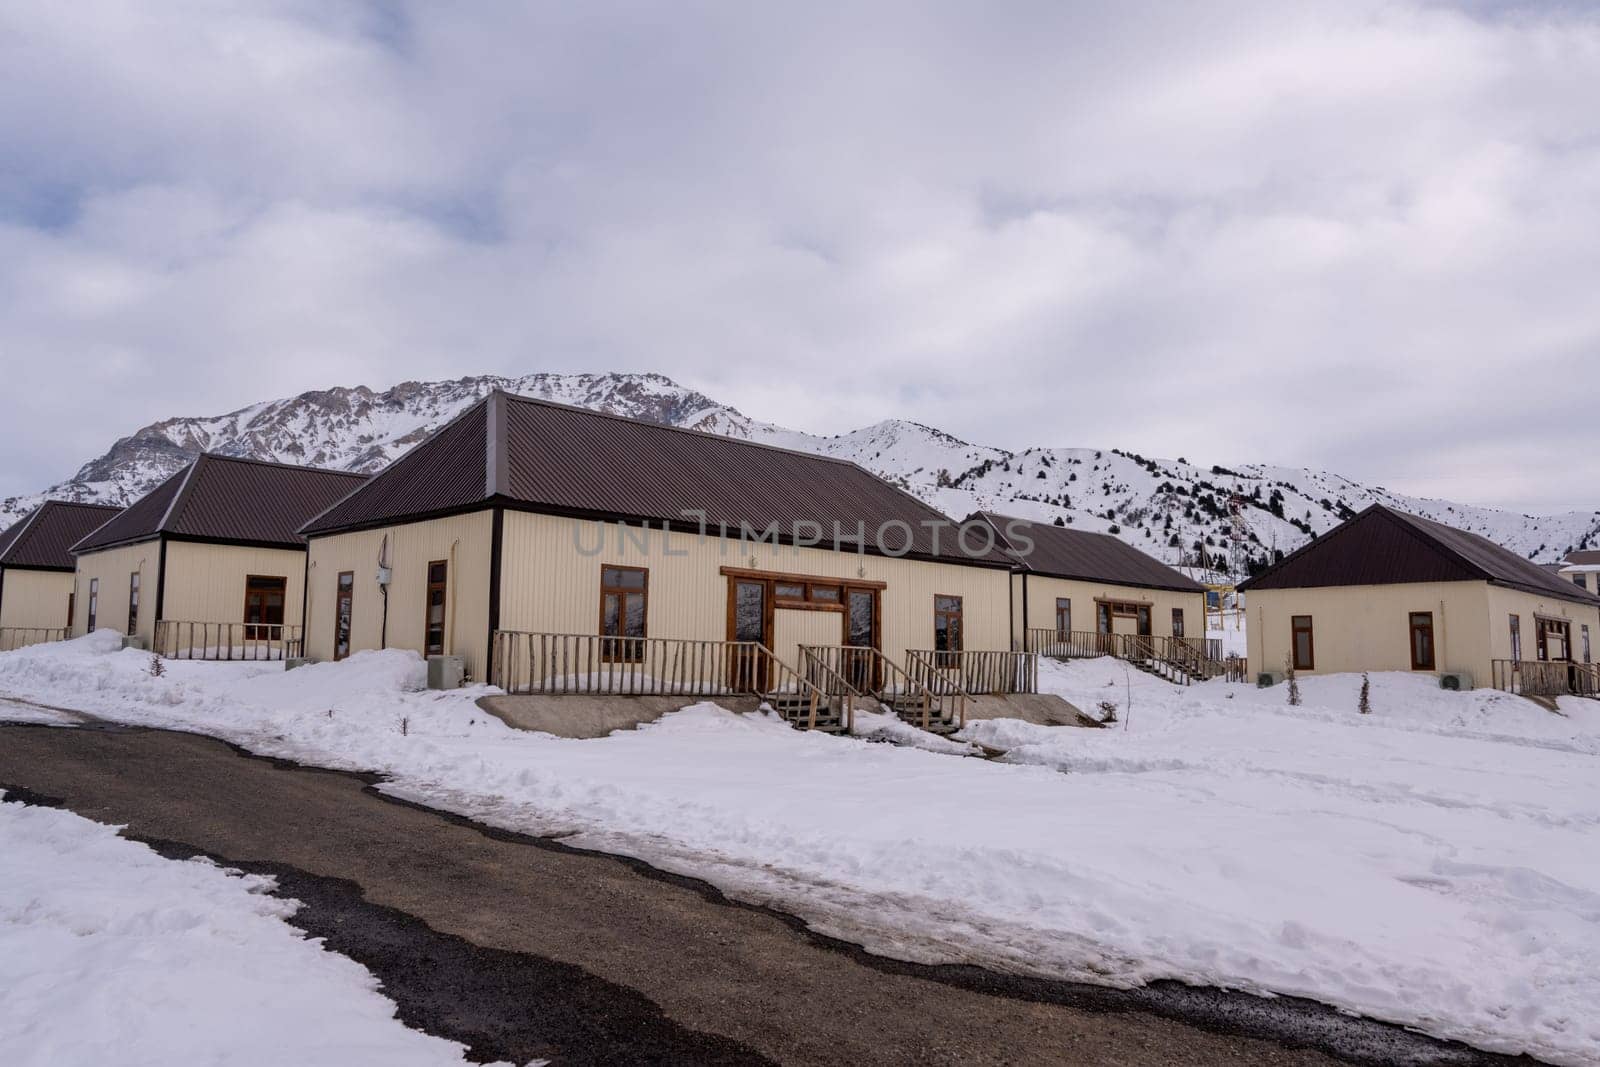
(220, 641)
(984, 671)
(533, 662)
(1546, 678)
(937, 682)
(15, 637)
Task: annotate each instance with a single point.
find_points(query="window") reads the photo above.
(133, 603)
(71, 598)
(825, 594)
(788, 591)
(263, 606)
(946, 630)
(1580, 580)
(1422, 640)
(94, 603)
(343, 603)
(1586, 649)
(1177, 622)
(1516, 638)
(433, 619)
(1063, 615)
(1304, 648)
(624, 594)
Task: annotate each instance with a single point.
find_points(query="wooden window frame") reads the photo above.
(135, 580)
(1588, 650)
(92, 618)
(1295, 629)
(621, 647)
(1063, 606)
(1516, 638)
(429, 585)
(1416, 622)
(261, 629)
(72, 605)
(1542, 627)
(948, 656)
(1179, 625)
(342, 594)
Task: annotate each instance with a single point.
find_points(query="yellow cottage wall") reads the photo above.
(463, 540)
(33, 600)
(550, 583)
(113, 566)
(1043, 593)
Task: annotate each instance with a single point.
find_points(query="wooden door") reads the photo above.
(862, 630)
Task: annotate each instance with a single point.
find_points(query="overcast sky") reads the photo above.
(1358, 236)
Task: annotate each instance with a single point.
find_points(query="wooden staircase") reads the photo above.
(866, 676)
(1177, 660)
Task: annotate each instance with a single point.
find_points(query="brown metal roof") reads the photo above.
(1587, 557)
(1382, 546)
(1062, 552)
(230, 500)
(567, 460)
(44, 538)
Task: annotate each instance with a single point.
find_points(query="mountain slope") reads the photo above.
(1181, 512)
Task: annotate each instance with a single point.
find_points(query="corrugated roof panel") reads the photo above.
(1062, 552)
(1382, 546)
(46, 536)
(226, 498)
(570, 460)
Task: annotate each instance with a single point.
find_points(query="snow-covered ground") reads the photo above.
(1433, 863)
(110, 953)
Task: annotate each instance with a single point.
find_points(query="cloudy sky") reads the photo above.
(1359, 236)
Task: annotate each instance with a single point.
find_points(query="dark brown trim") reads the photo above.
(161, 583)
(497, 537)
(1414, 627)
(190, 539)
(618, 650)
(339, 597)
(785, 576)
(1310, 630)
(252, 579)
(428, 586)
(960, 617)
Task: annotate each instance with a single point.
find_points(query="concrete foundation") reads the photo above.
(585, 715)
(1042, 709)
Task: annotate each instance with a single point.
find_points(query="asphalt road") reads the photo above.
(523, 948)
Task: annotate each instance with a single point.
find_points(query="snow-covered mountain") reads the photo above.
(1187, 513)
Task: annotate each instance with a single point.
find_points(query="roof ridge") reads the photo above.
(224, 458)
(681, 429)
(182, 494)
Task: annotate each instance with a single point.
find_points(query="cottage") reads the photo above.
(548, 545)
(36, 568)
(209, 564)
(1077, 593)
(1389, 591)
(1581, 568)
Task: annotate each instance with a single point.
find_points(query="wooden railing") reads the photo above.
(15, 637)
(821, 675)
(181, 639)
(941, 683)
(870, 673)
(1179, 660)
(981, 673)
(527, 662)
(1546, 678)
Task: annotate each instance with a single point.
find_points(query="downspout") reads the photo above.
(305, 599)
(1441, 657)
(1011, 613)
(1024, 607)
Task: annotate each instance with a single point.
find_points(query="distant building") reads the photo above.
(36, 567)
(1582, 569)
(1389, 591)
(1071, 581)
(208, 562)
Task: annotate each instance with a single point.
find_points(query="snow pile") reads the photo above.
(1432, 863)
(111, 954)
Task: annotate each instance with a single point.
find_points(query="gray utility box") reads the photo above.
(446, 672)
(134, 642)
(1268, 679)
(1457, 681)
(295, 661)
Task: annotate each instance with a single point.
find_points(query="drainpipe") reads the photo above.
(454, 582)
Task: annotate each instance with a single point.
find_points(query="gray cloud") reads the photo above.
(1354, 236)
